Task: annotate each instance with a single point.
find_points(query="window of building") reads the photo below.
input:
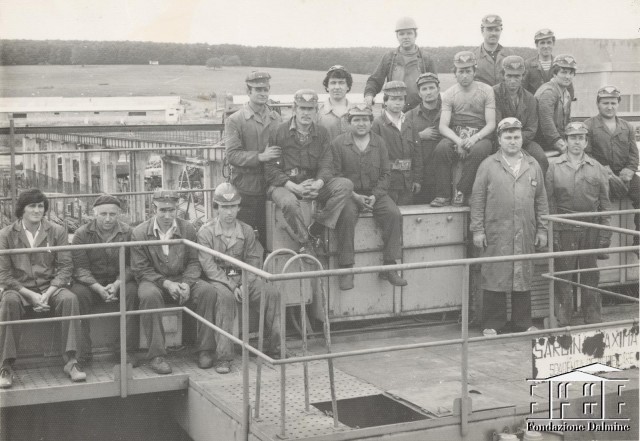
(137, 113)
(56, 113)
(636, 103)
(625, 103)
(96, 113)
(19, 115)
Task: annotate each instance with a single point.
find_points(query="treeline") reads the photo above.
(357, 60)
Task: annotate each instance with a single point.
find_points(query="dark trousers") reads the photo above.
(386, 215)
(634, 195)
(445, 157)
(401, 197)
(534, 149)
(203, 300)
(253, 212)
(570, 240)
(63, 303)
(494, 309)
(88, 299)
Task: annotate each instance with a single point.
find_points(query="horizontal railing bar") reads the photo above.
(118, 149)
(239, 263)
(214, 127)
(590, 214)
(92, 316)
(600, 290)
(126, 193)
(598, 226)
(586, 270)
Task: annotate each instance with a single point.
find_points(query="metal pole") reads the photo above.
(260, 346)
(283, 368)
(123, 325)
(12, 149)
(305, 366)
(464, 402)
(552, 294)
(327, 336)
(246, 407)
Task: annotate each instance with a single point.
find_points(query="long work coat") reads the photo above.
(508, 210)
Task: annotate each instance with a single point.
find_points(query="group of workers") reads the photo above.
(499, 121)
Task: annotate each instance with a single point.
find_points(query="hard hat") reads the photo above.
(509, 123)
(565, 60)
(464, 59)
(395, 88)
(427, 77)
(513, 64)
(305, 97)
(576, 128)
(491, 20)
(542, 34)
(609, 92)
(166, 196)
(226, 194)
(406, 23)
(359, 110)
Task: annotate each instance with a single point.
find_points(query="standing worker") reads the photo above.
(332, 114)
(612, 143)
(507, 206)
(538, 67)
(247, 149)
(577, 183)
(404, 155)
(490, 53)
(405, 64)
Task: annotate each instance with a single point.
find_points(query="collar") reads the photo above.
(217, 229)
(498, 48)
(25, 228)
(374, 140)
(388, 120)
(248, 112)
(424, 110)
(44, 225)
(327, 107)
(156, 229)
(585, 158)
(293, 126)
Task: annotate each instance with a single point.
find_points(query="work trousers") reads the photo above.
(253, 212)
(333, 195)
(203, 300)
(494, 309)
(386, 215)
(401, 197)
(446, 156)
(570, 240)
(63, 303)
(257, 288)
(88, 299)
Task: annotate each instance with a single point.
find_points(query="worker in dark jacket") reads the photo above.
(538, 67)
(425, 135)
(612, 143)
(361, 156)
(36, 282)
(513, 101)
(576, 183)
(247, 149)
(554, 104)
(96, 271)
(171, 273)
(304, 171)
(405, 64)
(404, 155)
(490, 53)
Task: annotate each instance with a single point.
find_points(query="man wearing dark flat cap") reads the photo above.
(96, 271)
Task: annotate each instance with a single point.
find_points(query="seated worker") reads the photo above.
(467, 122)
(612, 143)
(304, 171)
(554, 104)
(425, 120)
(513, 101)
(96, 272)
(236, 239)
(361, 156)
(171, 273)
(577, 183)
(406, 163)
(36, 283)
(332, 114)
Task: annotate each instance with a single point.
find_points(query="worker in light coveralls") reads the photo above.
(507, 205)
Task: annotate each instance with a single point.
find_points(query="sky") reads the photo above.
(312, 23)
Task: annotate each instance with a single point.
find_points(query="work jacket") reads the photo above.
(618, 150)
(419, 119)
(299, 162)
(552, 118)
(508, 210)
(400, 147)
(150, 264)
(581, 190)
(243, 247)
(99, 265)
(489, 71)
(368, 170)
(35, 271)
(526, 111)
(246, 135)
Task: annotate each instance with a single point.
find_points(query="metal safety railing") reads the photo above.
(464, 340)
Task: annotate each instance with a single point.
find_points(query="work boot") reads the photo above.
(6, 376)
(74, 371)
(345, 281)
(440, 202)
(223, 367)
(458, 200)
(160, 366)
(205, 359)
(393, 278)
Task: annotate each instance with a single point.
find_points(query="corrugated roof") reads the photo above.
(87, 104)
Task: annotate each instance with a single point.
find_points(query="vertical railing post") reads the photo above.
(464, 402)
(256, 413)
(12, 149)
(123, 323)
(552, 286)
(246, 411)
(305, 365)
(283, 367)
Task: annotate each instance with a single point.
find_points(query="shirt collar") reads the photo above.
(585, 158)
(217, 229)
(498, 48)
(249, 113)
(293, 126)
(327, 107)
(158, 232)
(424, 110)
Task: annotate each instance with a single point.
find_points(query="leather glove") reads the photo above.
(626, 174)
(618, 188)
(603, 242)
(479, 240)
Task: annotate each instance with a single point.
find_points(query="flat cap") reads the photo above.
(427, 77)
(509, 123)
(464, 59)
(491, 20)
(576, 128)
(542, 34)
(105, 199)
(359, 110)
(305, 96)
(166, 196)
(513, 64)
(395, 88)
(258, 78)
(609, 92)
(565, 60)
